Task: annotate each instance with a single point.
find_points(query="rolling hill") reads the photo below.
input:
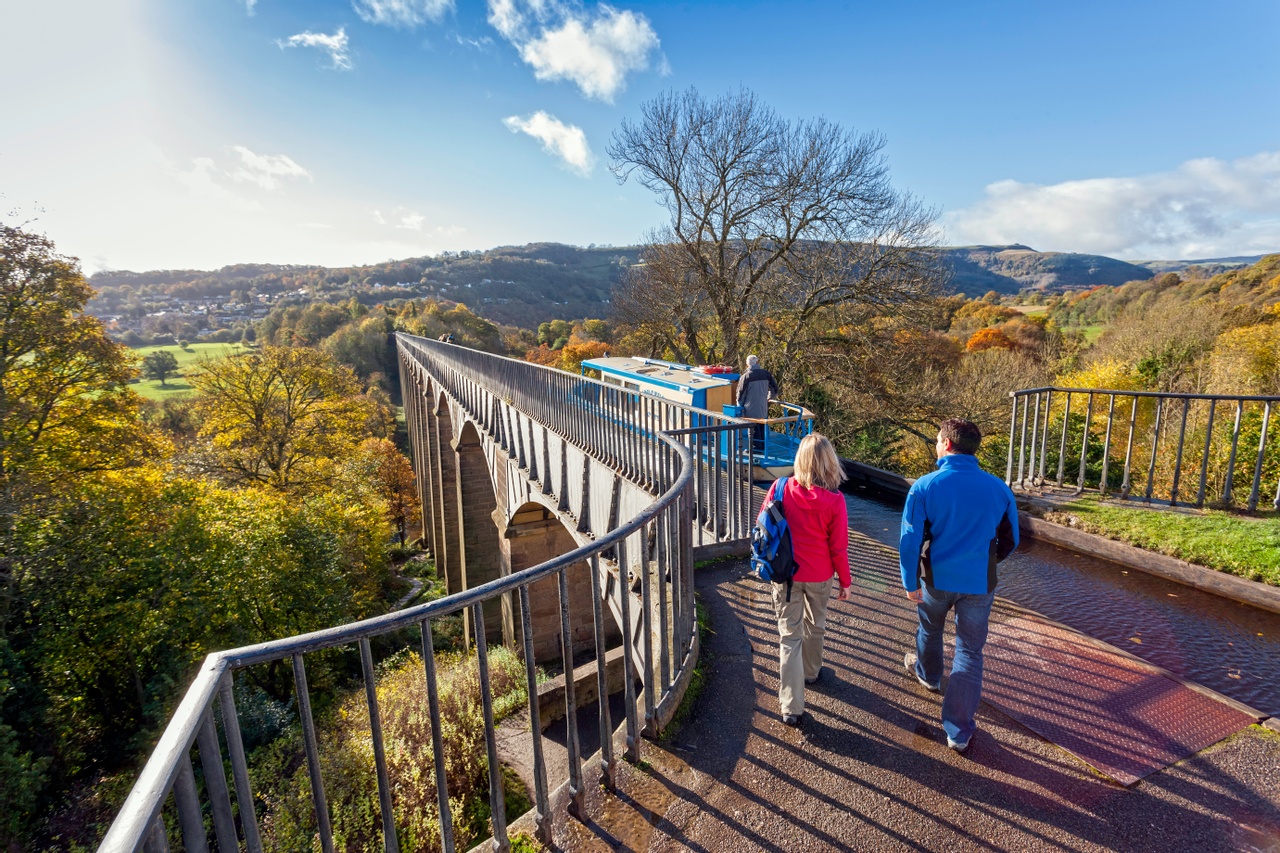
(527, 285)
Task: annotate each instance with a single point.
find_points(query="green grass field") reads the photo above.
(177, 386)
(1092, 333)
(1243, 545)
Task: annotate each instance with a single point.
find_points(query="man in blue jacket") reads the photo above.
(958, 522)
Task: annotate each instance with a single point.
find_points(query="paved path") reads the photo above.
(869, 769)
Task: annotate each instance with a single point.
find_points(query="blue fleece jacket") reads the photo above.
(958, 522)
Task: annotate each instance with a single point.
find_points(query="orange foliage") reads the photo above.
(577, 351)
(543, 355)
(988, 339)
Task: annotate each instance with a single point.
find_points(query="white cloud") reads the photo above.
(482, 43)
(565, 141)
(594, 50)
(208, 179)
(402, 218)
(335, 45)
(203, 181)
(1203, 208)
(265, 170)
(505, 17)
(249, 4)
(597, 57)
(401, 13)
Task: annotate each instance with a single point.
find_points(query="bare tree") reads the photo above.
(769, 219)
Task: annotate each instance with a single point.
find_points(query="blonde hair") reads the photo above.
(817, 463)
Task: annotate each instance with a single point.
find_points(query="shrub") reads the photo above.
(347, 759)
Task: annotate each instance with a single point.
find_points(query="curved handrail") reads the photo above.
(192, 721)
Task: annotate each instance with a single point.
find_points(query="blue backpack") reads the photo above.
(771, 555)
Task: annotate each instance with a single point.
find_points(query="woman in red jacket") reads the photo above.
(819, 523)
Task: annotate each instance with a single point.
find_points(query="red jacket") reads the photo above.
(819, 522)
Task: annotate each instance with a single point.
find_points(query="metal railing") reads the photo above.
(615, 425)
(1145, 444)
(667, 450)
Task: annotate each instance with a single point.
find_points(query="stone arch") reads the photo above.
(443, 464)
(417, 420)
(480, 554)
(532, 535)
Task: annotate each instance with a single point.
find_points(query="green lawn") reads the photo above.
(1244, 545)
(1092, 333)
(176, 386)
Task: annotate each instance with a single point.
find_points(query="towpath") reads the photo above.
(869, 768)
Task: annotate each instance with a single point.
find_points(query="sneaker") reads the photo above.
(792, 719)
(958, 746)
(817, 678)
(910, 663)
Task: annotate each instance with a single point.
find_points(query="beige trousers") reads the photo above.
(802, 625)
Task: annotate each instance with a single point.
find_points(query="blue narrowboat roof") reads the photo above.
(643, 370)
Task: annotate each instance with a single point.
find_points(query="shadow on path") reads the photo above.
(869, 769)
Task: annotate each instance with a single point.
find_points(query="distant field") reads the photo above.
(1092, 333)
(176, 386)
(1030, 309)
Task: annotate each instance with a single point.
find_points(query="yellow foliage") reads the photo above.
(1247, 360)
(280, 416)
(1110, 373)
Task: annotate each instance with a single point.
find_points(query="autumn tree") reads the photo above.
(988, 338)
(65, 406)
(430, 319)
(767, 217)
(279, 416)
(159, 365)
(65, 413)
(365, 345)
(379, 464)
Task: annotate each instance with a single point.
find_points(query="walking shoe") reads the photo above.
(815, 679)
(959, 747)
(792, 719)
(910, 663)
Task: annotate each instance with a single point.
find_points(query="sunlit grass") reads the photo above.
(1092, 333)
(177, 386)
(1238, 544)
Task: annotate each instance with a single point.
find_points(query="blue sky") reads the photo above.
(195, 133)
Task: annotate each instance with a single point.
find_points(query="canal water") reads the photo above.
(1230, 647)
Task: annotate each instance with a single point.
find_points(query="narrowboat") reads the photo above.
(713, 389)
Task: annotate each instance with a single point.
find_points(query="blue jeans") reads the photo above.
(964, 687)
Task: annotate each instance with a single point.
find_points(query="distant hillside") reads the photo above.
(523, 286)
(528, 285)
(1008, 269)
(1250, 291)
(1203, 268)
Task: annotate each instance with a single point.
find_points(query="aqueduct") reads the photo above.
(565, 515)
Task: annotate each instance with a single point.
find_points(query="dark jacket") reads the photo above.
(958, 522)
(754, 390)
